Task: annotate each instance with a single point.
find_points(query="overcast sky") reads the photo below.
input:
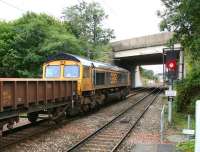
(128, 18)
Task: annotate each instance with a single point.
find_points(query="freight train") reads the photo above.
(70, 84)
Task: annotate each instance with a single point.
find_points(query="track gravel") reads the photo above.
(147, 130)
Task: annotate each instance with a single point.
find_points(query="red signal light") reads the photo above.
(171, 64)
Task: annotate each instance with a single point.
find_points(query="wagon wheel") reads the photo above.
(32, 117)
(10, 125)
(58, 115)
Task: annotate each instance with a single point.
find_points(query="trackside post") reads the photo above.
(162, 123)
(197, 127)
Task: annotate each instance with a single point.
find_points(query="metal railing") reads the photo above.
(197, 127)
(162, 124)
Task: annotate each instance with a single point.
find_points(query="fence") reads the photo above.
(162, 124)
(197, 127)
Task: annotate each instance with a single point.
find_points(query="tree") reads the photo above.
(26, 42)
(182, 17)
(148, 74)
(86, 23)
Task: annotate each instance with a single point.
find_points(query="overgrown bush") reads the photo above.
(188, 91)
(187, 146)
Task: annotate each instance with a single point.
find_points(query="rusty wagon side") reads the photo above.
(33, 95)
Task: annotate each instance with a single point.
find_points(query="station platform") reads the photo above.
(154, 148)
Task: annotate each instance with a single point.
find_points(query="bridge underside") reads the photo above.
(150, 59)
(131, 63)
(146, 50)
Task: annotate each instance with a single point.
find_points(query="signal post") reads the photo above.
(170, 56)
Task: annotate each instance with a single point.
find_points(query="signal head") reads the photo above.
(171, 65)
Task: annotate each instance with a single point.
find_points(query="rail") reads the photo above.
(126, 135)
(83, 141)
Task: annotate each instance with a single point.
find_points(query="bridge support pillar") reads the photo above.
(138, 81)
(132, 69)
(135, 77)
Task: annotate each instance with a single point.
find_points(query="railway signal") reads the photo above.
(170, 68)
(171, 65)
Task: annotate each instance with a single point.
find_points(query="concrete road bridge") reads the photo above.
(145, 50)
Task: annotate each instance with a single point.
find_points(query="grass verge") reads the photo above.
(185, 146)
(180, 122)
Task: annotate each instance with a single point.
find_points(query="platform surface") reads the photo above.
(154, 148)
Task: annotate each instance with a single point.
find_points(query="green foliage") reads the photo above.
(182, 17)
(148, 74)
(180, 120)
(188, 91)
(186, 146)
(86, 21)
(25, 43)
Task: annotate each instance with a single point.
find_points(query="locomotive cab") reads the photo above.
(61, 70)
(63, 67)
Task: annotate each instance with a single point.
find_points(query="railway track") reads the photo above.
(21, 133)
(110, 136)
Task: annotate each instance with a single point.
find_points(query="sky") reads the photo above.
(128, 18)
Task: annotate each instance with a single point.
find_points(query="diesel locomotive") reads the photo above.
(70, 84)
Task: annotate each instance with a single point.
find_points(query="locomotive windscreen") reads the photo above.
(52, 71)
(71, 71)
